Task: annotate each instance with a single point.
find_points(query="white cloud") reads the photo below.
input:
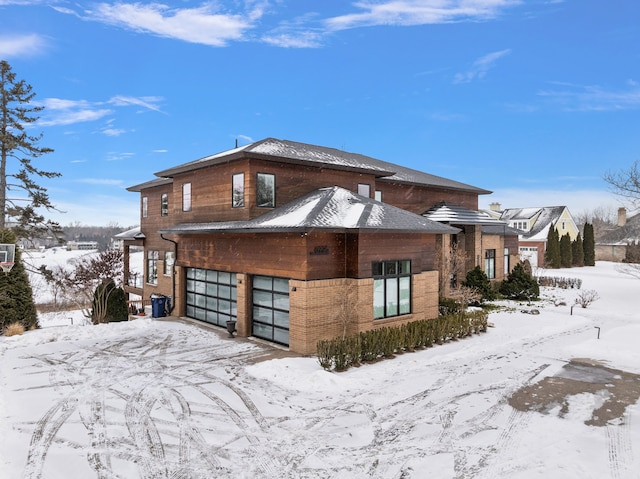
(204, 25)
(21, 45)
(419, 12)
(480, 67)
(148, 102)
(593, 97)
(60, 111)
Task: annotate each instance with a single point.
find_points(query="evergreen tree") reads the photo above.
(552, 252)
(589, 245)
(17, 172)
(520, 285)
(478, 280)
(16, 295)
(577, 253)
(632, 253)
(566, 259)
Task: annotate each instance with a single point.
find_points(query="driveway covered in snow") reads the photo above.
(160, 399)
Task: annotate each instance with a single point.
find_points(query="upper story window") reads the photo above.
(186, 197)
(164, 204)
(237, 194)
(364, 190)
(145, 206)
(391, 288)
(266, 190)
(378, 196)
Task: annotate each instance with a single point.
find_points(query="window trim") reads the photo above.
(237, 199)
(186, 197)
(490, 263)
(164, 204)
(152, 267)
(392, 274)
(272, 202)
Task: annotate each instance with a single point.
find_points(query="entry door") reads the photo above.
(270, 319)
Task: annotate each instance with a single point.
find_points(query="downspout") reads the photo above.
(173, 272)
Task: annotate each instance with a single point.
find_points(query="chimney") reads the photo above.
(622, 217)
(495, 207)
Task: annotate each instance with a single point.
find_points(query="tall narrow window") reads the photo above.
(506, 261)
(152, 267)
(391, 288)
(169, 261)
(186, 197)
(237, 195)
(378, 196)
(490, 263)
(266, 190)
(364, 190)
(145, 206)
(164, 204)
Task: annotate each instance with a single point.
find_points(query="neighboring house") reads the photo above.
(81, 245)
(611, 245)
(299, 242)
(534, 224)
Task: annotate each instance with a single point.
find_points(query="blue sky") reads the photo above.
(534, 100)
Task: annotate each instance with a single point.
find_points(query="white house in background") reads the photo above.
(534, 224)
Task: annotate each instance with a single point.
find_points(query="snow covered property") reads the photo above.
(298, 242)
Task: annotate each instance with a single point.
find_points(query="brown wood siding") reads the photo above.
(418, 199)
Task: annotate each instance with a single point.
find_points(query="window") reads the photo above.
(152, 267)
(378, 195)
(237, 195)
(145, 206)
(506, 261)
(266, 190)
(169, 261)
(364, 190)
(391, 288)
(186, 197)
(164, 204)
(490, 263)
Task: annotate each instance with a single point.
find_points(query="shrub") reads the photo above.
(478, 280)
(586, 297)
(109, 304)
(341, 353)
(520, 285)
(14, 329)
(448, 306)
(562, 283)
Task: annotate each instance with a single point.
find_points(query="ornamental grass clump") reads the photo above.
(14, 329)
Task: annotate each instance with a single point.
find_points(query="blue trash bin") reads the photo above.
(158, 303)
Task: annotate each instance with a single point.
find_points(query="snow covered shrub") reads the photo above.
(14, 329)
(562, 283)
(586, 297)
(520, 285)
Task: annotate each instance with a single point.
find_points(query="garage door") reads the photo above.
(270, 319)
(529, 253)
(211, 296)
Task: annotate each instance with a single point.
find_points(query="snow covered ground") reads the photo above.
(153, 399)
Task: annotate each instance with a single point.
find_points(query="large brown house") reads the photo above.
(298, 242)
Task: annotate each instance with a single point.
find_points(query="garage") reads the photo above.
(270, 320)
(211, 296)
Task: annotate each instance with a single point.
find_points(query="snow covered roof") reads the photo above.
(444, 212)
(272, 149)
(132, 234)
(333, 209)
(544, 218)
(150, 184)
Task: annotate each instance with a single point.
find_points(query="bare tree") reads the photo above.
(84, 283)
(626, 183)
(452, 266)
